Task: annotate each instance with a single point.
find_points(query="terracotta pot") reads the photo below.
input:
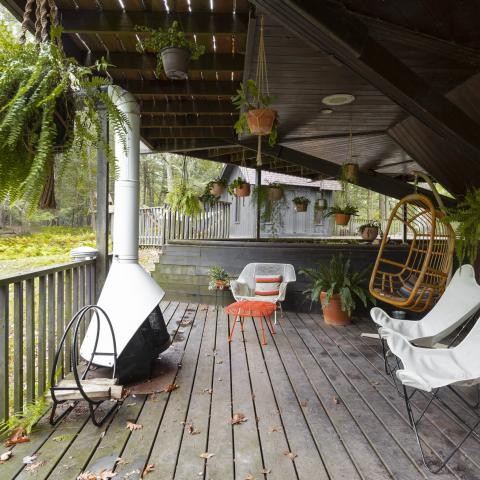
(275, 193)
(242, 191)
(221, 284)
(333, 313)
(175, 62)
(217, 189)
(342, 219)
(301, 207)
(350, 172)
(260, 121)
(369, 233)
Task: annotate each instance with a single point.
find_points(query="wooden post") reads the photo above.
(259, 184)
(101, 219)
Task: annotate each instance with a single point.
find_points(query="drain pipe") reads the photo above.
(130, 294)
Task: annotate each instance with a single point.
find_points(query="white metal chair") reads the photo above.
(430, 370)
(244, 287)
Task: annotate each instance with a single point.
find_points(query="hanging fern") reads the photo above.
(49, 113)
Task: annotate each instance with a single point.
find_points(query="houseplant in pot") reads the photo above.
(342, 214)
(184, 199)
(301, 203)
(217, 187)
(239, 187)
(272, 206)
(369, 231)
(275, 191)
(338, 287)
(173, 49)
(218, 278)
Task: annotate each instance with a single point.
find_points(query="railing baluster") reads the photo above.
(81, 283)
(42, 334)
(60, 314)
(17, 346)
(51, 320)
(4, 352)
(30, 338)
(68, 317)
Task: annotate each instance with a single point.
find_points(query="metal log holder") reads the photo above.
(74, 324)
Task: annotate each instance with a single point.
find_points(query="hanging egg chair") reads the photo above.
(417, 281)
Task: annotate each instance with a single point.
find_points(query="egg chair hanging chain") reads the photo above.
(44, 17)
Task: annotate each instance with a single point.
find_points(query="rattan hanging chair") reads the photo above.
(416, 282)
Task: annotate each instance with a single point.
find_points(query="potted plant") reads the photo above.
(337, 286)
(219, 278)
(257, 117)
(239, 187)
(172, 48)
(301, 203)
(465, 218)
(217, 187)
(275, 191)
(184, 199)
(342, 214)
(369, 231)
(349, 173)
(49, 115)
(321, 204)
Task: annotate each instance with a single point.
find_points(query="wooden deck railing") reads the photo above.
(159, 224)
(34, 309)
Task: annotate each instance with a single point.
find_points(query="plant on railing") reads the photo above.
(369, 230)
(173, 49)
(219, 278)
(49, 105)
(239, 187)
(465, 219)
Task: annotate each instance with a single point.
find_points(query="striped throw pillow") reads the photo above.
(267, 285)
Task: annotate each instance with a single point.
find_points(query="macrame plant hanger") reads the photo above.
(261, 80)
(44, 15)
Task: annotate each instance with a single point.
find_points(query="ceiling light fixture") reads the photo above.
(338, 99)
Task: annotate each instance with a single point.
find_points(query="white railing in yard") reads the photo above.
(351, 230)
(157, 225)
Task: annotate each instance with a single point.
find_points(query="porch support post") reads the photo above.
(259, 183)
(101, 218)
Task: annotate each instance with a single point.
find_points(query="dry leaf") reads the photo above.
(206, 455)
(131, 404)
(33, 466)
(103, 475)
(265, 471)
(337, 401)
(18, 436)
(250, 477)
(134, 426)
(4, 457)
(290, 455)
(149, 468)
(219, 362)
(170, 388)
(87, 476)
(273, 429)
(120, 461)
(29, 459)
(238, 418)
(304, 403)
(191, 429)
(207, 390)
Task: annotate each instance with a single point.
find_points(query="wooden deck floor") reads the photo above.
(317, 402)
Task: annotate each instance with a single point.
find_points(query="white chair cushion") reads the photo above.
(267, 285)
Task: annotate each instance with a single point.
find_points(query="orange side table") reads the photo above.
(251, 308)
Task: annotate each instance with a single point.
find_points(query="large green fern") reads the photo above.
(49, 112)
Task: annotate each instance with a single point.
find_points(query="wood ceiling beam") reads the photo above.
(118, 21)
(179, 145)
(189, 120)
(178, 88)
(215, 62)
(373, 181)
(177, 107)
(186, 132)
(326, 26)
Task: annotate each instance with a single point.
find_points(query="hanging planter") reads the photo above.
(369, 231)
(321, 204)
(342, 214)
(301, 204)
(254, 101)
(275, 192)
(217, 187)
(239, 188)
(172, 48)
(350, 173)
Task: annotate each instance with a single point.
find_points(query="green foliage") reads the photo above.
(271, 210)
(221, 181)
(49, 105)
(237, 183)
(249, 98)
(369, 224)
(26, 419)
(158, 38)
(184, 199)
(346, 210)
(465, 218)
(338, 277)
(301, 201)
(217, 273)
(207, 197)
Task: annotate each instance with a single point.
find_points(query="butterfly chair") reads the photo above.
(430, 371)
(418, 281)
(246, 288)
(458, 306)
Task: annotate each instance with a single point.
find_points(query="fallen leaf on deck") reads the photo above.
(265, 471)
(29, 459)
(33, 466)
(191, 429)
(250, 477)
(207, 390)
(219, 362)
(337, 401)
(4, 457)
(238, 418)
(120, 461)
(304, 403)
(18, 436)
(290, 455)
(207, 455)
(103, 475)
(170, 388)
(274, 429)
(131, 404)
(149, 468)
(134, 426)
